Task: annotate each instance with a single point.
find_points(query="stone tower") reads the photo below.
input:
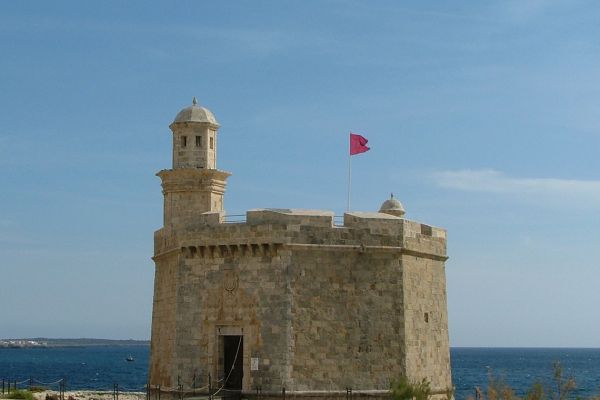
(288, 298)
(194, 185)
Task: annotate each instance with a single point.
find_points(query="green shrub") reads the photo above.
(19, 394)
(403, 389)
(498, 389)
(561, 388)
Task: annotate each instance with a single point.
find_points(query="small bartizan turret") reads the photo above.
(392, 206)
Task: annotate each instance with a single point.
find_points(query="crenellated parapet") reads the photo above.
(266, 230)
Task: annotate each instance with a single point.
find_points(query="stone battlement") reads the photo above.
(266, 230)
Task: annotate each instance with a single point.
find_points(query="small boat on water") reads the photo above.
(130, 358)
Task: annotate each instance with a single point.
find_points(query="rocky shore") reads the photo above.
(88, 395)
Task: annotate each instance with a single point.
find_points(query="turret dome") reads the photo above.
(195, 113)
(392, 207)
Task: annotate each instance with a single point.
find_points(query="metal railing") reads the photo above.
(211, 390)
(338, 220)
(9, 386)
(234, 219)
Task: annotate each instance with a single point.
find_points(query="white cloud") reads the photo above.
(544, 190)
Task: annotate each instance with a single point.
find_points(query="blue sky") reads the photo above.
(482, 118)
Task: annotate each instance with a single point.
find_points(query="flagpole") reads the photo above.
(349, 176)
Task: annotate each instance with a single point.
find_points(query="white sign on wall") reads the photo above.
(254, 364)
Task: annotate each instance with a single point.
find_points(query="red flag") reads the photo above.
(358, 144)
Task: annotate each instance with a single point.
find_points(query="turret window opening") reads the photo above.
(198, 141)
(183, 141)
(211, 143)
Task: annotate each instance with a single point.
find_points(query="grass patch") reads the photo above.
(19, 394)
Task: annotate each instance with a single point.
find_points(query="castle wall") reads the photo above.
(426, 317)
(223, 287)
(164, 310)
(347, 319)
(245, 295)
(426, 321)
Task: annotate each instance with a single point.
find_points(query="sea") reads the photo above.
(102, 367)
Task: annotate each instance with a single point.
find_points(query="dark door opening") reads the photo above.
(233, 366)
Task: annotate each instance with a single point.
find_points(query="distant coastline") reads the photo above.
(82, 342)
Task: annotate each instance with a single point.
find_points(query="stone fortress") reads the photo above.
(287, 298)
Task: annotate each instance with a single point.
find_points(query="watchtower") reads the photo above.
(194, 185)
